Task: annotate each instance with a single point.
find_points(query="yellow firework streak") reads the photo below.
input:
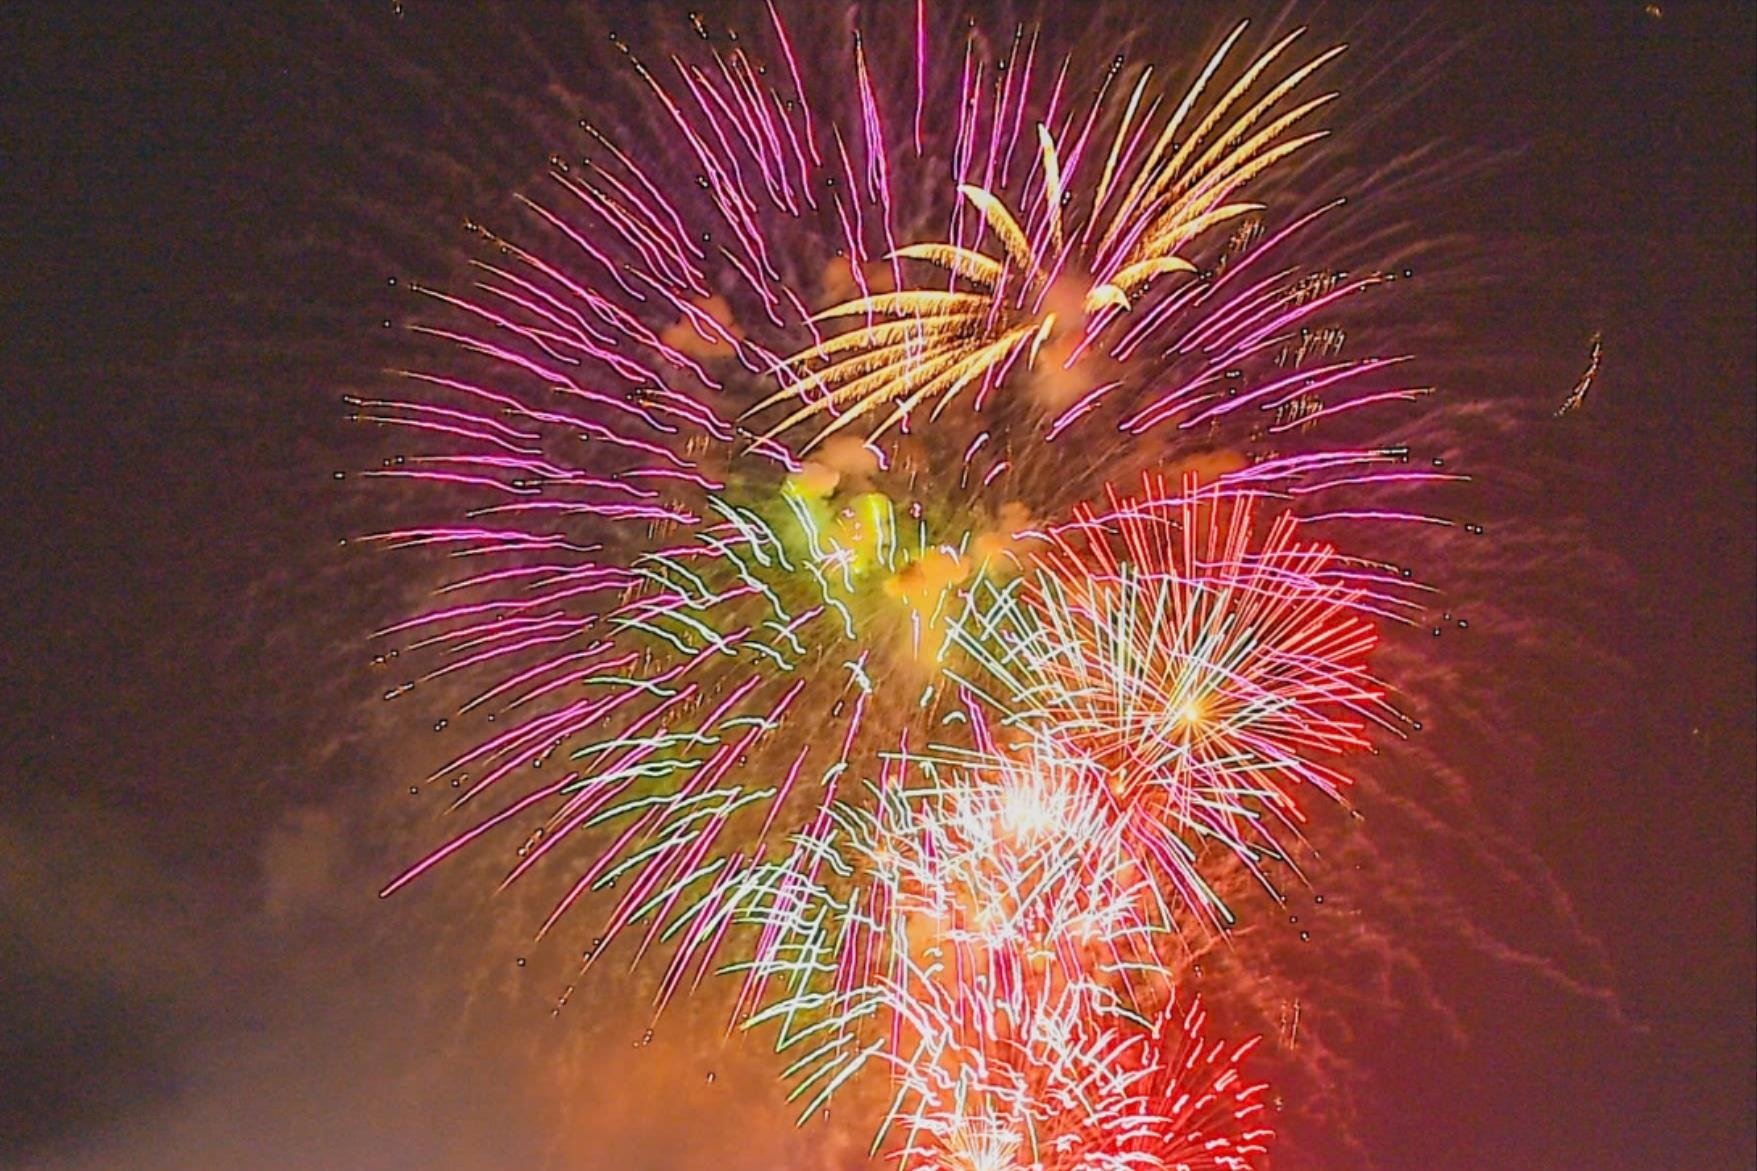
(1044, 298)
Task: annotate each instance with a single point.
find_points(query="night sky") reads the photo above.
(201, 792)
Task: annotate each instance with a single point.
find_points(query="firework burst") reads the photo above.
(1201, 666)
(1068, 1081)
(1053, 299)
(725, 559)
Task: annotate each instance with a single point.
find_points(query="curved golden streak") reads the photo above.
(1143, 271)
(1239, 166)
(889, 331)
(1249, 118)
(973, 266)
(1116, 143)
(946, 383)
(1271, 157)
(908, 302)
(881, 333)
(856, 394)
(1101, 297)
(1150, 166)
(984, 360)
(1247, 160)
(871, 354)
(901, 363)
(1161, 242)
(1153, 185)
(975, 364)
(1052, 183)
(1001, 221)
(1232, 95)
(914, 400)
(1041, 336)
(1176, 225)
(862, 363)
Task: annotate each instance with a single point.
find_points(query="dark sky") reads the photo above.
(200, 795)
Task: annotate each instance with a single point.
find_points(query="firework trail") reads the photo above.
(1577, 395)
(725, 556)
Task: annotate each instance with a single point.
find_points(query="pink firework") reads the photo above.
(763, 461)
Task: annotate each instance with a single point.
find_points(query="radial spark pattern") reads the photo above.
(784, 581)
(1202, 667)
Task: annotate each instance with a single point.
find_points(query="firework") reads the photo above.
(1070, 1082)
(1067, 280)
(1002, 960)
(725, 558)
(1200, 666)
(1000, 870)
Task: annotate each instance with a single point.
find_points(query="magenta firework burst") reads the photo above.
(795, 572)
